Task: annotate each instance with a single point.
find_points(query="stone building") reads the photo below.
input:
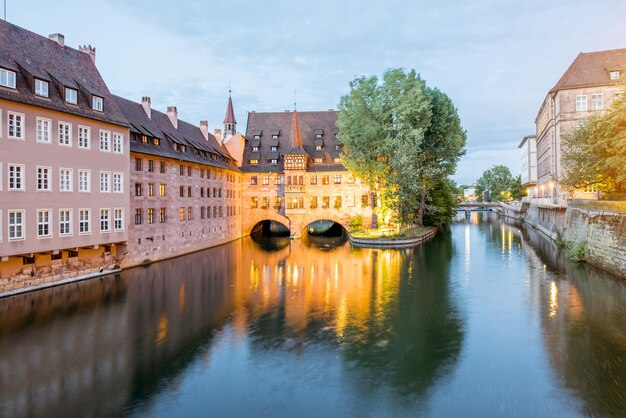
(64, 162)
(184, 185)
(588, 87)
(292, 173)
(528, 151)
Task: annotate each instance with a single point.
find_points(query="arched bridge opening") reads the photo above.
(325, 233)
(271, 235)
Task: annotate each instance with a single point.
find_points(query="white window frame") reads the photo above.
(105, 141)
(66, 186)
(84, 137)
(107, 175)
(107, 219)
(21, 127)
(97, 103)
(69, 97)
(22, 177)
(42, 87)
(48, 222)
(48, 171)
(597, 101)
(64, 138)
(44, 132)
(118, 185)
(614, 75)
(21, 225)
(118, 219)
(84, 222)
(118, 143)
(88, 182)
(581, 102)
(67, 222)
(7, 78)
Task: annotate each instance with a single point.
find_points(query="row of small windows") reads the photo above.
(597, 101)
(293, 180)
(298, 202)
(177, 147)
(110, 219)
(254, 161)
(183, 170)
(16, 179)
(42, 89)
(318, 147)
(16, 123)
(184, 213)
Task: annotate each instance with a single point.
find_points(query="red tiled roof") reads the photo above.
(592, 69)
(33, 56)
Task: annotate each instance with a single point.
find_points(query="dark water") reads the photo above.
(485, 320)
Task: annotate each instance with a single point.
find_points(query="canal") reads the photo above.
(488, 319)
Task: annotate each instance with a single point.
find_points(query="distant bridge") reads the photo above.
(479, 207)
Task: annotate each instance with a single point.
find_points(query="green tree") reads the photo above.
(516, 188)
(402, 138)
(497, 181)
(595, 154)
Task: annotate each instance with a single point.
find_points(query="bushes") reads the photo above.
(355, 223)
(577, 252)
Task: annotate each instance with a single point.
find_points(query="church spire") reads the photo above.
(230, 124)
(296, 138)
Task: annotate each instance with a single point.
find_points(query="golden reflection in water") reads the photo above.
(503, 239)
(474, 218)
(162, 329)
(575, 304)
(510, 242)
(554, 302)
(181, 297)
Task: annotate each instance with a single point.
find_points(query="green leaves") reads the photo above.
(500, 183)
(402, 138)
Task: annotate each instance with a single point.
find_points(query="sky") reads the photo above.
(496, 59)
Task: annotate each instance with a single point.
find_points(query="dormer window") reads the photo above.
(614, 75)
(255, 149)
(183, 148)
(338, 147)
(96, 103)
(318, 135)
(337, 160)
(156, 141)
(317, 160)
(274, 161)
(273, 148)
(41, 88)
(257, 136)
(71, 96)
(7, 78)
(254, 161)
(318, 148)
(274, 136)
(175, 145)
(144, 139)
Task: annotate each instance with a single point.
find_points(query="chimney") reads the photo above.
(58, 38)
(89, 50)
(204, 128)
(146, 103)
(172, 113)
(218, 135)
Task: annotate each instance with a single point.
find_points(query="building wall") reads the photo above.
(212, 189)
(50, 254)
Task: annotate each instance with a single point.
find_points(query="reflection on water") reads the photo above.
(315, 327)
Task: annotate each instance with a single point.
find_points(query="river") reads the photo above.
(487, 319)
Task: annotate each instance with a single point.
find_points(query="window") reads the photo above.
(118, 182)
(41, 88)
(138, 165)
(295, 203)
(150, 166)
(118, 219)
(325, 202)
(138, 189)
(182, 170)
(150, 215)
(71, 95)
(278, 202)
(338, 147)
(596, 102)
(189, 213)
(181, 213)
(317, 160)
(65, 222)
(138, 216)
(365, 200)
(118, 140)
(162, 215)
(105, 181)
(150, 189)
(254, 202)
(105, 141)
(313, 202)
(337, 202)
(16, 176)
(581, 103)
(144, 139)
(274, 136)
(254, 161)
(43, 223)
(84, 221)
(337, 160)
(162, 189)
(16, 125)
(65, 134)
(325, 179)
(255, 149)
(265, 203)
(266, 180)
(16, 224)
(65, 180)
(202, 212)
(313, 179)
(181, 191)
(7, 78)
(156, 141)
(273, 148)
(84, 137)
(43, 130)
(201, 191)
(278, 179)
(337, 179)
(43, 179)
(189, 189)
(96, 103)
(162, 167)
(105, 219)
(84, 181)
(614, 75)
(189, 171)
(253, 180)
(274, 161)
(318, 148)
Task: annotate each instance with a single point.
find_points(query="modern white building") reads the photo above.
(528, 152)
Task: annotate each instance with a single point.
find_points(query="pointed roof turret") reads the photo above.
(296, 138)
(230, 112)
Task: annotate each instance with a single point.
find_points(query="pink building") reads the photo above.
(64, 162)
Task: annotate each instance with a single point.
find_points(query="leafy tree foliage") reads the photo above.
(595, 154)
(402, 138)
(499, 181)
